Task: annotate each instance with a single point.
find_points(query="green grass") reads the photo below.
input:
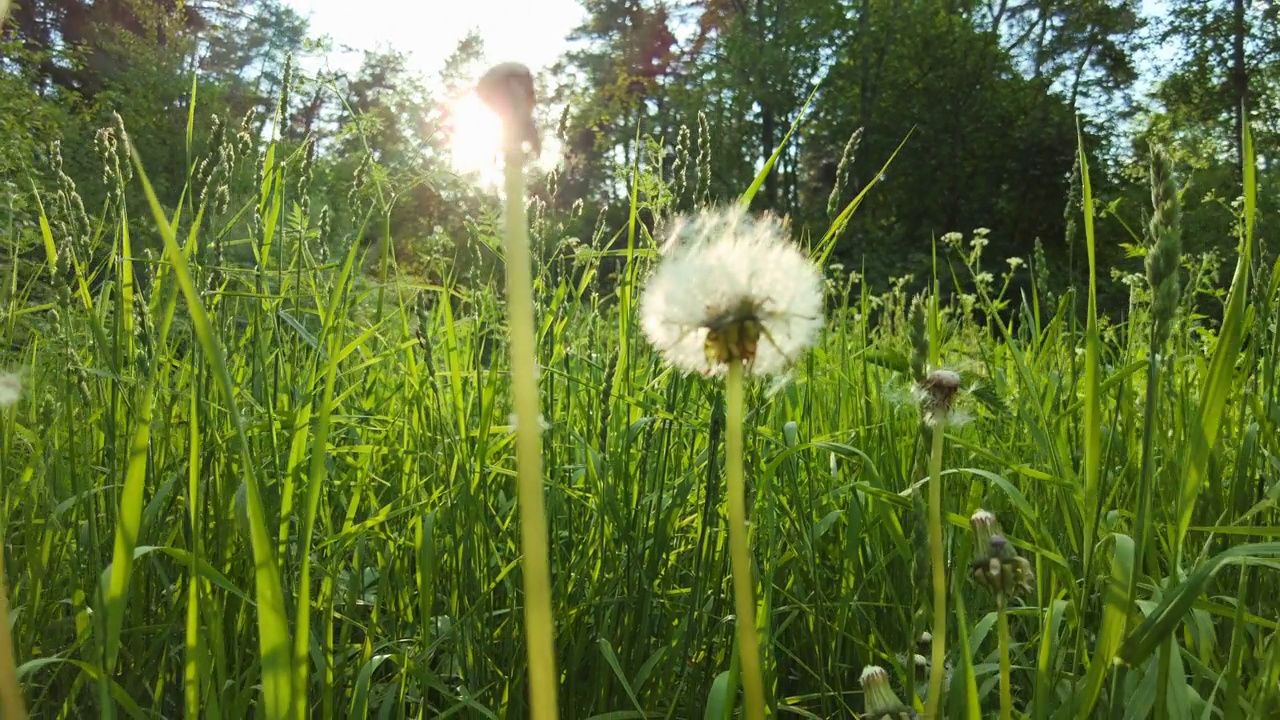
(278, 487)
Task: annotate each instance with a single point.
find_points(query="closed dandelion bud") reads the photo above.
(508, 90)
(1165, 236)
(878, 696)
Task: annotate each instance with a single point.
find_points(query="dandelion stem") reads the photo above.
(539, 625)
(939, 642)
(739, 552)
(1006, 690)
(11, 705)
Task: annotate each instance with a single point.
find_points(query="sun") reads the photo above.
(475, 140)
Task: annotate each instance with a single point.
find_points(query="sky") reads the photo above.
(528, 31)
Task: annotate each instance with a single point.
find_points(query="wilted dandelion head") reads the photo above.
(936, 394)
(731, 287)
(878, 695)
(10, 389)
(996, 564)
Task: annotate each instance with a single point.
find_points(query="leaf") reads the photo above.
(718, 700)
(1177, 602)
(1114, 612)
(612, 658)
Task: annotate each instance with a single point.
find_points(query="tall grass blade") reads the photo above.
(1092, 427)
(273, 622)
(1219, 383)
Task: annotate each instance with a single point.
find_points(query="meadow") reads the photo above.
(291, 476)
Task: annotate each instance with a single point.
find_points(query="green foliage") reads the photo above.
(263, 462)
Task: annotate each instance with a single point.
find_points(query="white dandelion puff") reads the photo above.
(10, 388)
(731, 287)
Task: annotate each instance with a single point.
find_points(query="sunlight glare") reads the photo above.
(475, 141)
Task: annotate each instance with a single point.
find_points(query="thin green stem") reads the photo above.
(1006, 689)
(739, 552)
(1145, 490)
(539, 625)
(11, 705)
(939, 644)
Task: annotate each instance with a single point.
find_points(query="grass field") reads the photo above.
(283, 488)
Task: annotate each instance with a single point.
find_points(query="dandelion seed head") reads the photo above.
(10, 389)
(731, 287)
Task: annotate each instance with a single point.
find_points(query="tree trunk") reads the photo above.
(768, 128)
(1239, 82)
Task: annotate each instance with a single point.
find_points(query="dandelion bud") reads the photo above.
(881, 702)
(508, 90)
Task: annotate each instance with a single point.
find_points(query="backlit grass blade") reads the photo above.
(129, 515)
(273, 622)
(315, 483)
(1219, 384)
(836, 229)
(749, 194)
(1091, 432)
(46, 233)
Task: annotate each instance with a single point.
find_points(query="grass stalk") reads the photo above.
(1006, 689)
(939, 645)
(11, 705)
(539, 624)
(739, 551)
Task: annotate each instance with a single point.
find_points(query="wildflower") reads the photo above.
(881, 702)
(936, 394)
(731, 288)
(978, 242)
(996, 564)
(1015, 263)
(953, 239)
(983, 279)
(10, 389)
